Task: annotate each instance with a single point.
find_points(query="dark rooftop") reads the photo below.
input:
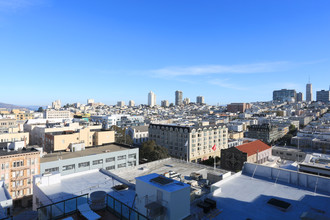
(29, 149)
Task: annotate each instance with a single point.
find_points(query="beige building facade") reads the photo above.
(62, 141)
(17, 170)
(194, 141)
(13, 137)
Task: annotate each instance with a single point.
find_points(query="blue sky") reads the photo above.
(226, 50)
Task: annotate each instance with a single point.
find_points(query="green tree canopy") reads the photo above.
(151, 151)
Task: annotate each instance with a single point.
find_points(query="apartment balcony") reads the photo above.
(19, 178)
(16, 188)
(20, 168)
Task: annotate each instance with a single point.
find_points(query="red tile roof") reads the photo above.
(253, 147)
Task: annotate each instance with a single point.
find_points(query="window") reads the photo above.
(14, 194)
(32, 171)
(28, 191)
(21, 173)
(13, 184)
(96, 162)
(29, 173)
(7, 165)
(2, 166)
(121, 165)
(84, 164)
(53, 169)
(110, 159)
(13, 174)
(121, 157)
(32, 161)
(132, 156)
(2, 177)
(110, 167)
(29, 162)
(28, 181)
(6, 176)
(67, 167)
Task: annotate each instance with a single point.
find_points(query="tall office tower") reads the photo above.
(186, 101)
(323, 96)
(309, 92)
(300, 97)
(178, 97)
(90, 101)
(165, 103)
(151, 99)
(200, 99)
(56, 104)
(285, 95)
(131, 103)
(121, 103)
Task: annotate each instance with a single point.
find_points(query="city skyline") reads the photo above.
(111, 52)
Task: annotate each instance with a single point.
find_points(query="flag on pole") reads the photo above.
(214, 148)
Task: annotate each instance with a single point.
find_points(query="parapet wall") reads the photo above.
(288, 176)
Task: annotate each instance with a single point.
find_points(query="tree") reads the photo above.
(292, 128)
(151, 151)
(40, 109)
(120, 135)
(210, 161)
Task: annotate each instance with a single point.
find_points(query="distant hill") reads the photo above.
(11, 106)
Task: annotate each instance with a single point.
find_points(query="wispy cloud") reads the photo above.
(226, 84)
(221, 69)
(13, 5)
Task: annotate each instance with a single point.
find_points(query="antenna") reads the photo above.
(309, 79)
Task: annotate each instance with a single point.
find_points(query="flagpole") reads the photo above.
(215, 154)
(214, 158)
(187, 146)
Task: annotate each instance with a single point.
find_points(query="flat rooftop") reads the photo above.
(88, 151)
(317, 160)
(288, 149)
(30, 149)
(86, 182)
(164, 166)
(244, 197)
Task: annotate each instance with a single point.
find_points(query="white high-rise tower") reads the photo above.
(151, 99)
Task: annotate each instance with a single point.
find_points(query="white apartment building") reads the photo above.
(49, 114)
(139, 134)
(119, 120)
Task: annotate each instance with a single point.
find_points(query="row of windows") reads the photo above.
(12, 139)
(5, 123)
(21, 192)
(95, 162)
(21, 172)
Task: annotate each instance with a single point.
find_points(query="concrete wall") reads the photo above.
(177, 203)
(288, 176)
(90, 159)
